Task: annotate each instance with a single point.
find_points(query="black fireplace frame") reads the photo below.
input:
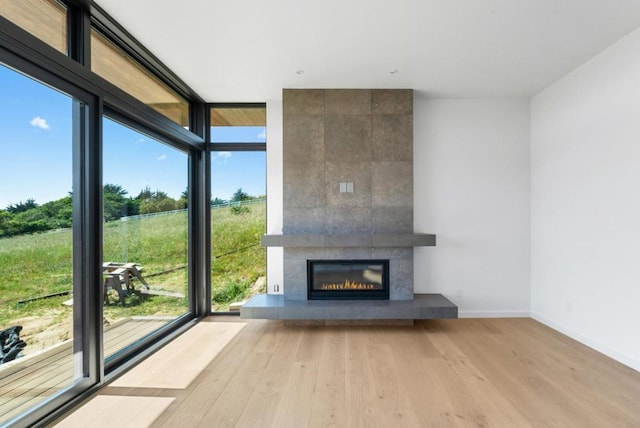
(382, 294)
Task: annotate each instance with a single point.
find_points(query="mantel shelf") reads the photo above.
(382, 240)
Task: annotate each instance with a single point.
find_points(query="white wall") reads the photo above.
(586, 203)
(274, 194)
(471, 188)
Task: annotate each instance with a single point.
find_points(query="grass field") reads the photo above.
(40, 264)
(238, 260)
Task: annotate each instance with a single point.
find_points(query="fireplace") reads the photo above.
(348, 279)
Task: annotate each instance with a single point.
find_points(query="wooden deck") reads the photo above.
(31, 379)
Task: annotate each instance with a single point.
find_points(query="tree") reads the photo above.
(155, 202)
(145, 193)
(5, 218)
(37, 218)
(113, 202)
(116, 189)
(132, 206)
(59, 213)
(218, 201)
(239, 196)
(22, 206)
(183, 202)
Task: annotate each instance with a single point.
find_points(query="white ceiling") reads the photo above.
(248, 50)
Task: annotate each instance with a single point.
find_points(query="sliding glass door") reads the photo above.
(38, 357)
(145, 236)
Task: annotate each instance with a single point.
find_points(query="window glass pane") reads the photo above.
(145, 235)
(45, 19)
(36, 281)
(238, 134)
(238, 220)
(238, 124)
(113, 64)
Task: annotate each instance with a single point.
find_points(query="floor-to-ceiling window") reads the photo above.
(145, 236)
(238, 203)
(36, 250)
(145, 198)
(102, 165)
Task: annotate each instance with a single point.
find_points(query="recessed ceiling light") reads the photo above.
(299, 71)
(394, 71)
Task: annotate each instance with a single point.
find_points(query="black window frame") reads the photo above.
(235, 146)
(71, 74)
(210, 147)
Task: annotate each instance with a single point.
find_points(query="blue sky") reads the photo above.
(35, 151)
(232, 170)
(35, 140)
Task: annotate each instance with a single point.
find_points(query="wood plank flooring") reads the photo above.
(437, 373)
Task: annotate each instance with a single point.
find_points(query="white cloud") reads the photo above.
(39, 122)
(139, 141)
(263, 134)
(161, 157)
(222, 155)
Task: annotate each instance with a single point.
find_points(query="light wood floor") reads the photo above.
(447, 373)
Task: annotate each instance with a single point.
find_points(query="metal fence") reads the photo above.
(225, 204)
(238, 203)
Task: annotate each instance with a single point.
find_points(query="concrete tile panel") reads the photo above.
(303, 185)
(347, 138)
(303, 138)
(358, 173)
(392, 137)
(303, 101)
(392, 219)
(303, 254)
(401, 279)
(348, 253)
(392, 253)
(303, 220)
(295, 275)
(392, 101)
(345, 220)
(347, 101)
(392, 184)
(295, 280)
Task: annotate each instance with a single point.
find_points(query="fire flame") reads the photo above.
(347, 285)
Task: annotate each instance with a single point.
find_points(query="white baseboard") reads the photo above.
(625, 359)
(493, 314)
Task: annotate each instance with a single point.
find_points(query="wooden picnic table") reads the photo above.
(119, 278)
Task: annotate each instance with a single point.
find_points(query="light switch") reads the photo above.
(343, 187)
(349, 187)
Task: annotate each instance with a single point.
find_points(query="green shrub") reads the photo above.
(239, 209)
(229, 293)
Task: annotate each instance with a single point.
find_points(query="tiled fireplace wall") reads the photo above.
(334, 136)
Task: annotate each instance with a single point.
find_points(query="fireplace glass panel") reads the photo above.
(348, 279)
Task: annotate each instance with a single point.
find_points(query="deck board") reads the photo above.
(32, 379)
